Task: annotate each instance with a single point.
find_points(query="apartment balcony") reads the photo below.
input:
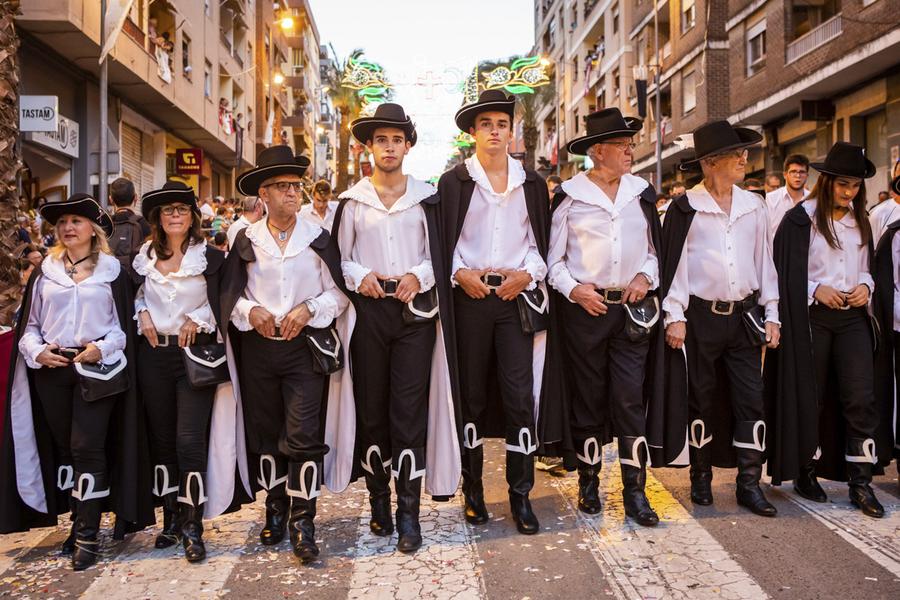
(811, 40)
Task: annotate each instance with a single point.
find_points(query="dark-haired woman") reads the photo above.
(824, 411)
(176, 308)
(72, 433)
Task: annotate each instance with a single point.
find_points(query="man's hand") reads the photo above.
(148, 329)
(773, 335)
(637, 289)
(858, 296)
(407, 288)
(262, 321)
(830, 297)
(187, 335)
(675, 334)
(49, 359)
(295, 321)
(514, 284)
(370, 287)
(470, 281)
(90, 354)
(588, 299)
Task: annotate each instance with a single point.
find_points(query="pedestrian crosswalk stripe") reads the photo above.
(677, 559)
(879, 539)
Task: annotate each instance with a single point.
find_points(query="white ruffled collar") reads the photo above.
(303, 235)
(193, 263)
(582, 188)
(742, 202)
(364, 192)
(106, 270)
(515, 177)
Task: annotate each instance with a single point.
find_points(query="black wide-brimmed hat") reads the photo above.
(387, 114)
(848, 160)
(488, 101)
(895, 185)
(604, 124)
(717, 137)
(271, 162)
(172, 192)
(82, 205)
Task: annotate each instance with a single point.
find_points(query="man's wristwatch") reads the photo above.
(310, 306)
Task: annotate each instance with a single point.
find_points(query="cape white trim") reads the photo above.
(202, 361)
(189, 497)
(635, 460)
(702, 439)
(119, 366)
(591, 454)
(307, 493)
(161, 486)
(759, 439)
(413, 472)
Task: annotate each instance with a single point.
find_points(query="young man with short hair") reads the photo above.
(782, 199)
(321, 210)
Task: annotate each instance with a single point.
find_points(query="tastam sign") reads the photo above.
(38, 113)
(188, 161)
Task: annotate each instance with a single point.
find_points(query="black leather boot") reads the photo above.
(304, 486)
(91, 490)
(807, 486)
(378, 482)
(192, 498)
(701, 477)
(749, 442)
(68, 545)
(634, 477)
(273, 477)
(520, 477)
(589, 465)
(410, 466)
(472, 485)
(165, 487)
(860, 453)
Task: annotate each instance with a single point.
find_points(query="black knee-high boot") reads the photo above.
(589, 466)
(749, 442)
(806, 484)
(472, 485)
(634, 477)
(304, 486)
(410, 465)
(701, 477)
(520, 477)
(860, 456)
(273, 478)
(165, 487)
(378, 482)
(65, 482)
(91, 490)
(192, 499)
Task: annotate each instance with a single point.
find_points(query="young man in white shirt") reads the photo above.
(603, 261)
(279, 287)
(783, 199)
(321, 210)
(382, 229)
(495, 223)
(252, 211)
(717, 277)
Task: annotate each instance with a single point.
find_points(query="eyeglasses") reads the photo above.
(284, 186)
(795, 173)
(621, 145)
(181, 209)
(744, 153)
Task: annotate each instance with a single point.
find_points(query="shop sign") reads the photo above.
(38, 113)
(188, 161)
(63, 139)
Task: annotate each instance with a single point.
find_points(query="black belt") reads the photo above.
(164, 341)
(616, 295)
(493, 280)
(726, 307)
(389, 286)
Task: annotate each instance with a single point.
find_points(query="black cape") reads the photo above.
(887, 359)
(128, 457)
(455, 189)
(792, 430)
(233, 282)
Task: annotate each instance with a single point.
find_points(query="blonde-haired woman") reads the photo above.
(72, 424)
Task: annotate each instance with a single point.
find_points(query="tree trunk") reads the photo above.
(10, 286)
(343, 150)
(530, 137)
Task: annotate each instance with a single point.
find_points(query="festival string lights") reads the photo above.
(369, 80)
(520, 77)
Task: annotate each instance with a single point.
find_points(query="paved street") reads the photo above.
(809, 551)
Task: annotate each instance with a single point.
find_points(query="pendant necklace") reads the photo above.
(282, 233)
(74, 265)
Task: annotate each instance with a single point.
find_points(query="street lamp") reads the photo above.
(286, 23)
(278, 78)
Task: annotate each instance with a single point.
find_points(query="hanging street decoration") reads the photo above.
(369, 79)
(520, 77)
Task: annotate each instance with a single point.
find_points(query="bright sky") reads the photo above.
(419, 41)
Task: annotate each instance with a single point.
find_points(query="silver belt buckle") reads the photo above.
(396, 283)
(162, 341)
(487, 276)
(618, 291)
(714, 308)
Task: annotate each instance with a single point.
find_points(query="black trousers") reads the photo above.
(842, 343)
(607, 372)
(177, 414)
(486, 329)
(711, 337)
(391, 370)
(282, 398)
(78, 428)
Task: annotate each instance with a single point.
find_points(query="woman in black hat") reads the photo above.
(822, 251)
(177, 313)
(73, 421)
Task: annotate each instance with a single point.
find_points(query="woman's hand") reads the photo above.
(148, 329)
(90, 354)
(49, 359)
(187, 334)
